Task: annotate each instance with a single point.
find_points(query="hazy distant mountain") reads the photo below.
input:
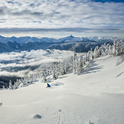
(67, 43)
(69, 38)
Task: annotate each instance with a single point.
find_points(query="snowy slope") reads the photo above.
(94, 97)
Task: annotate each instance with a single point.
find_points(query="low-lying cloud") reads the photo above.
(21, 63)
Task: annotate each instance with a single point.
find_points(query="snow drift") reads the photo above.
(94, 97)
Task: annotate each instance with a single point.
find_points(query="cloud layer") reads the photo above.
(61, 15)
(21, 63)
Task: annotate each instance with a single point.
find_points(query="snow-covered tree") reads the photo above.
(96, 52)
(44, 75)
(81, 62)
(75, 63)
(55, 74)
(79, 68)
(114, 49)
(62, 68)
(10, 85)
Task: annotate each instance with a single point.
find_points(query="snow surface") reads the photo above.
(94, 97)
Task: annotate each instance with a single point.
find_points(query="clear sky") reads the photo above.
(59, 18)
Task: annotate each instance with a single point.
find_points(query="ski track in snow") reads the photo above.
(94, 97)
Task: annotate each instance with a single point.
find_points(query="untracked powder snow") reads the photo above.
(96, 96)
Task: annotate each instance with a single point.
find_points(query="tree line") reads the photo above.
(75, 64)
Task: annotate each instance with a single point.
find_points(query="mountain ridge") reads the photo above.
(47, 39)
(9, 44)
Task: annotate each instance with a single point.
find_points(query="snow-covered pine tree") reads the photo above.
(122, 47)
(10, 85)
(81, 63)
(71, 63)
(16, 84)
(96, 52)
(44, 75)
(57, 68)
(55, 74)
(110, 50)
(107, 49)
(20, 83)
(89, 56)
(31, 78)
(79, 68)
(62, 68)
(75, 63)
(101, 51)
(119, 47)
(114, 49)
(23, 82)
(34, 77)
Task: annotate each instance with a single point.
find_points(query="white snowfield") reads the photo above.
(94, 97)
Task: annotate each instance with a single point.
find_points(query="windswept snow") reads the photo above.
(94, 97)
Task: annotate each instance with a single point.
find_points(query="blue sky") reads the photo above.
(109, 1)
(59, 18)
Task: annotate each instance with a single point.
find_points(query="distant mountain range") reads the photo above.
(9, 44)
